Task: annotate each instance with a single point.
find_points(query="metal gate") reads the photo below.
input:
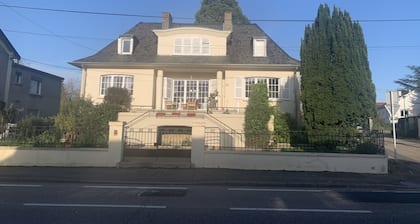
(164, 137)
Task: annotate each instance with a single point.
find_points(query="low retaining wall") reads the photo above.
(290, 161)
(67, 157)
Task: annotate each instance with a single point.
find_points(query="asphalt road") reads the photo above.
(90, 203)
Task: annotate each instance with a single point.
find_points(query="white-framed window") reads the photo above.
(191, 46)
(18, 78)
(181, 91)
(278, 88)
(260, 47)
(125, 45)
(35, 87)
(120, 81)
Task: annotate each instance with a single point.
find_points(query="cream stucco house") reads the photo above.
(173, 69)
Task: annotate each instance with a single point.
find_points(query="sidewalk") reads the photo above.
(144, 176)
(404, 174)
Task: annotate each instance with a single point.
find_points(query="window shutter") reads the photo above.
(238, 87)
(167, 88)
(285, 88)
(212, 86)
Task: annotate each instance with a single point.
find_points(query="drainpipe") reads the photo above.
(8, 80)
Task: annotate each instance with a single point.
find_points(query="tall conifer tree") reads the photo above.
(337, 88)
(212, 12)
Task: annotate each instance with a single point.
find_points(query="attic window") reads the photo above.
(191, 46)
(260, 47)
(125, 45)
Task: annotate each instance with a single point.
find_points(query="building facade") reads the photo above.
(176, 68)
(28, 91)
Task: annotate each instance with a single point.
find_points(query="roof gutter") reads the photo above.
(291, 67)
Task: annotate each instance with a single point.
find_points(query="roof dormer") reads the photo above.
(260, 46)
(126, 45)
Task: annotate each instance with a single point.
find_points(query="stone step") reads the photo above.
(156, 162)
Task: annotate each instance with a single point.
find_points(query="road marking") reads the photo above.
(276, 190)
(20, 185)
(301, 210)
(135, 187)
(94, 205)
(396, 192)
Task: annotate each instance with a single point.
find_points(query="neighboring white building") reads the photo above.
(382, 112)
(408, 105)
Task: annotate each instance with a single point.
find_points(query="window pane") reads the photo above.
(35, 87)
(128, 84)
(196, 46)
(248, 83)
(126, 46)
(118, 81)
(178, 91)
(273, 88)
(191, 89)
(178, 46)
(205, 46)
(187, 46)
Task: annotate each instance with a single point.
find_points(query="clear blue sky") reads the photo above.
(391, 45)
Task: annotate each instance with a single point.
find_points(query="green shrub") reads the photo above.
(366, 148)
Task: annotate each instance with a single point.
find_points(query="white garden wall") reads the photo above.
(333, 162)
(67, 157)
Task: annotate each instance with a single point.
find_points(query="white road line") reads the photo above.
(396, 192)
(276, 190)
(135, 187)
(20, 185)
(94, 205)
(301, 210)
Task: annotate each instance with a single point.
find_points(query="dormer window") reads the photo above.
(125, 45)
(260, 47)
(191, 46)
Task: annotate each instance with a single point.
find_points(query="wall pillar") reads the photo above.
(159, 90)
(220, 89)
(116, 141)
(197, 146)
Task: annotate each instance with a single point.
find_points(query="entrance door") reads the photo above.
(185, 90)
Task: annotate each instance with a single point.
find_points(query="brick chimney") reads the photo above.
(227, 22)
(166, 20)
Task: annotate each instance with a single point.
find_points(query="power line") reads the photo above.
(56, 35)
(311, 20)
(46, 29)
(51, 65)
(110, 39)
(88, 12)
(188, 18)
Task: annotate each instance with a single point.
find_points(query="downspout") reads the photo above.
(8, 80)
